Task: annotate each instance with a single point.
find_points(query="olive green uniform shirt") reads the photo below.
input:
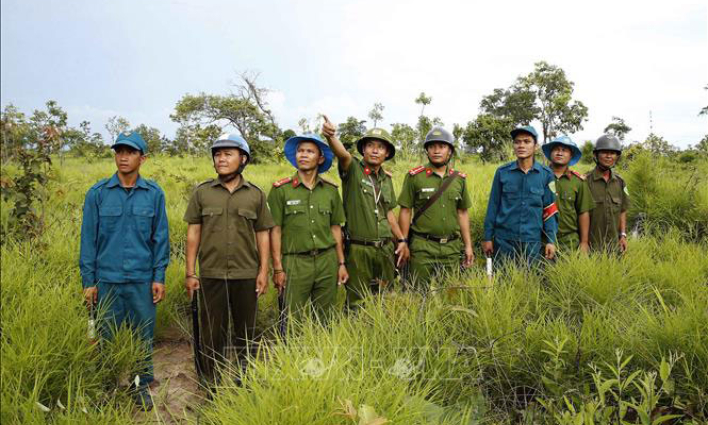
(366, 218)
(305, 215)
(227, 249)
(441, 218)
(611, 199)
(573, 198)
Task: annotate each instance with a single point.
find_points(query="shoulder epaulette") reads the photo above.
(577, 174)
(99, 183)
(416, 170)
(388, 173)
(255, 186)
(329, 182)
(459, 173)
(282, 181)
(205, 182)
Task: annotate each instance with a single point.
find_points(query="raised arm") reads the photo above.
(329, 131)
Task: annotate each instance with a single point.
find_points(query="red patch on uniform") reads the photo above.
(282, 182)
(577, 174)
(428, 171)
(367, 170)
(416, 170)
(463, 175)
(296, 182)
(549, 211)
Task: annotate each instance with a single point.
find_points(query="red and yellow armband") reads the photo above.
(549, 211)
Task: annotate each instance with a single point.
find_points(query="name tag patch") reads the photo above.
(293, 202)
(428, 189)
(366, 182)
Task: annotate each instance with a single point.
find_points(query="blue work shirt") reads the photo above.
(522, 205)
(124, 233)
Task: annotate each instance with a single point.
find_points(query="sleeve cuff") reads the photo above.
(158, 276)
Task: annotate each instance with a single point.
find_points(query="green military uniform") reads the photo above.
(307, 244)
(435, 241)
(368, 197)
(228, 264)
(611, 199)
(573, 198)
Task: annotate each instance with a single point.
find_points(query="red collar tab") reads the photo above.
(367, 171)
(428, 171)
(451, 171)
(296, 182)
(577, 174)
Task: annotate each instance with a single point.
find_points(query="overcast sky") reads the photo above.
(136, 59)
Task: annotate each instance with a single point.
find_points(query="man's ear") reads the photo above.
(321, 159)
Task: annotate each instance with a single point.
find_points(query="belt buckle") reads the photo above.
(313, 253)
(444, 240)
(378, 244)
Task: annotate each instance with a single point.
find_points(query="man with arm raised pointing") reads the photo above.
(369, 200)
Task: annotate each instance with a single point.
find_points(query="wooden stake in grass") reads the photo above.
(490, 271)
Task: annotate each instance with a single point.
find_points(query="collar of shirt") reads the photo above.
(115, 181)
(429, 171)
(599, 175)
(369, 171)
(243, 183)
(535, 167)
(296, 180)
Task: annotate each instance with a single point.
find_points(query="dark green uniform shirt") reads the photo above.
(441, 218)
(573, 198)
(305, 215)
(227, 249)
(611, 199)
(366, 218)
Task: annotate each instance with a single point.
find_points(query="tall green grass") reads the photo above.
(467, 352)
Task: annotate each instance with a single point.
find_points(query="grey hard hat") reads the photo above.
(608, 142)
(232, 141)
(439, 134)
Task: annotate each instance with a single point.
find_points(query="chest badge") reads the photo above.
(293, 202)
(428, 189)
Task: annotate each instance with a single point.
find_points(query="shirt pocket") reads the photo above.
(109, 216)
(615, 203)
(144, 215)
(510, 191)
(536, 197)
(211, 219)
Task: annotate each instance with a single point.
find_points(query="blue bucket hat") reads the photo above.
(563, 141)
(291, 149)
(132, 139)
(525, 129)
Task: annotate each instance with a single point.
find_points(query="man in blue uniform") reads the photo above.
(125, 250)
(521, 210)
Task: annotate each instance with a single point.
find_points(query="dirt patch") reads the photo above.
(175, 392)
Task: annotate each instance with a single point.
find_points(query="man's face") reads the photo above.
(308, 156)
(375, 152)
(524, 145)
(128, 160)
(607, 159)
(560, 155)
(438, 153)
(228, 160)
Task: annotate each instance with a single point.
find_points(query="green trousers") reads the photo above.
(431, 259)
(369, 268)
(311, 279)
(568, 243)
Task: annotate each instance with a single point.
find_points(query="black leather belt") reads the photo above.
(313, 253)
(442, 240)
(378, 244)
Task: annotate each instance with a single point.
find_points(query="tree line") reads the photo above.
(545, 95)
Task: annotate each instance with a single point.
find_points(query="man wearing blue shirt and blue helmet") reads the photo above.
(521, 210)
(125, 250)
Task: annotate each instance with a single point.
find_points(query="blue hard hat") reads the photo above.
(231, 140)
(564, 141)
(291, 149)
(132, 139)
(525, 129)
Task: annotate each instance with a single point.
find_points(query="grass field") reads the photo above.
(597, 337)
